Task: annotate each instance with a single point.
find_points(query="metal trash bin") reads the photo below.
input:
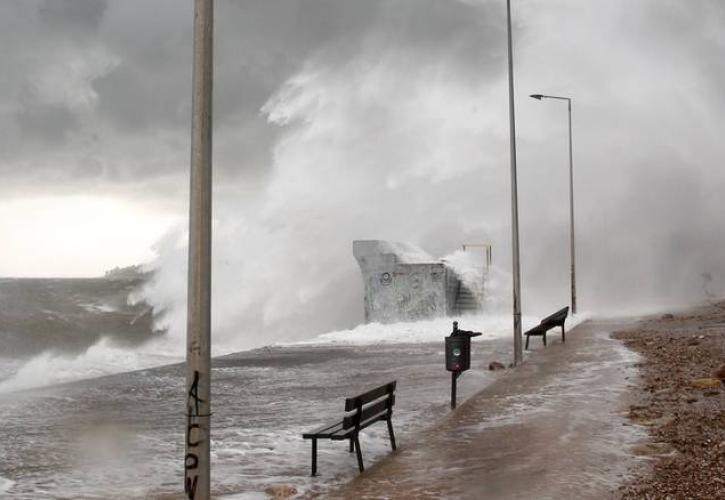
(458, 355)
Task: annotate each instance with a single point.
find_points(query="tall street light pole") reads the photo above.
(197, 467)
(518, 344)
(572, 252)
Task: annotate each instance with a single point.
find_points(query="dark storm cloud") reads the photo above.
(116, 73)
(68, 23)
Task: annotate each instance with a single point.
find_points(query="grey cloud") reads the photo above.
(139, 99)
(48, 123)
(133, 138)
(71, 18)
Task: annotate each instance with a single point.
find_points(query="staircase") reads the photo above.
(466, 300)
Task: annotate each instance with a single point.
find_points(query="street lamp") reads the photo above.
(571, 201)
(518, 344)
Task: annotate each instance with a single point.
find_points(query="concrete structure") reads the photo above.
(403, 283)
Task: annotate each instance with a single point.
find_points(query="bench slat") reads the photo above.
(371, 395)
(323, 432)
(370, 411)
(346, 433)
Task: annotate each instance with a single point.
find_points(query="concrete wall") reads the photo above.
(402, 283)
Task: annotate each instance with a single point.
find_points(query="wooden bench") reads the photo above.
(361, 411)
(549, 322)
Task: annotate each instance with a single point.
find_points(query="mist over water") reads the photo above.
(389, 120)
(387, 137)
(372, 148)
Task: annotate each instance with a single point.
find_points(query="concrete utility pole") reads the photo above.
(198, 335)
(518, 344)
(572, 249)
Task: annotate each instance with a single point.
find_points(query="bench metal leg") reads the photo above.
(359, 454)
(563, 335)
(544, 339)
(527, 343)
(314, 457)
(391, 433)
(352, 445)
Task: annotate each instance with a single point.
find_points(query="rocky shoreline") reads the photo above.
(680, 398)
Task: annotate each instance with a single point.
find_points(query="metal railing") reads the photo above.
(486, 247)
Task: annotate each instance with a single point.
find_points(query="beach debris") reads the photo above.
(720, 373)
(706, 383)
(496, 365)
(281, 491)
(710, 392)
(668, 316)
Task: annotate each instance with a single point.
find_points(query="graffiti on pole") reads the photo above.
(193, 440)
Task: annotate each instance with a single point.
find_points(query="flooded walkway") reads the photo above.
(553, 428)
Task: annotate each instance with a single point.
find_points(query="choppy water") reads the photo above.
(122, 435)
(68, 315)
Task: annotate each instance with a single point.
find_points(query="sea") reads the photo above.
(92, 397)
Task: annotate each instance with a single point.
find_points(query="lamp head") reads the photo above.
(537, 96)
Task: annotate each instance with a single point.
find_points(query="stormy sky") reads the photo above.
(342, 119)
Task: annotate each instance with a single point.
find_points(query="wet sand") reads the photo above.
(554, 428)
(685, 455)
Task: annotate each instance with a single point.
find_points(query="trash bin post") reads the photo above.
(454, 378)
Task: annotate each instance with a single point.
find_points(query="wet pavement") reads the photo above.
(553, 428)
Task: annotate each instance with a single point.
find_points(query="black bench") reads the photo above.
(549, 322)
(360, 412)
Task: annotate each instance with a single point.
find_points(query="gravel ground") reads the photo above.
(682, 403)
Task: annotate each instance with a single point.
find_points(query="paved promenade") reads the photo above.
(553, 428)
